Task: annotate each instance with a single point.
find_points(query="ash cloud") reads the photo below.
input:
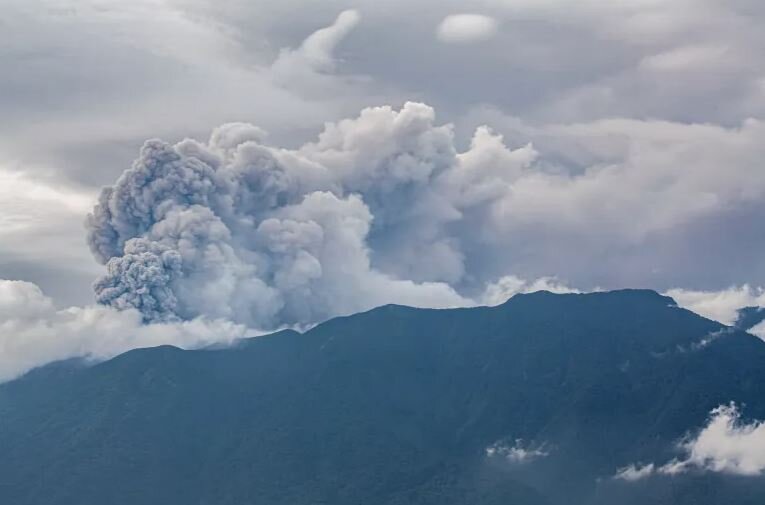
(378, 209)
(384, 208)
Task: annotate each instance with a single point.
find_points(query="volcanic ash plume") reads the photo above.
(377, 210)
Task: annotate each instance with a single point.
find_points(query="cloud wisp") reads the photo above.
(466, 28)
(723, 305)
(518, 452)
(724, 445)
(317, 51)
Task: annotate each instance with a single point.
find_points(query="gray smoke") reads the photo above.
(377, 210)
(384, 208)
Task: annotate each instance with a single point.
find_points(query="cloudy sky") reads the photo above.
(318, 158)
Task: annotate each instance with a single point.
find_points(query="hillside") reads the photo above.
(394, 406)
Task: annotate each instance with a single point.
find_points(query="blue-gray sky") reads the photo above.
(591, 144)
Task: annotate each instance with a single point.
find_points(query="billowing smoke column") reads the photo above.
(377, 210)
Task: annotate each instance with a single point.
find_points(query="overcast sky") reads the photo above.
(590, 143)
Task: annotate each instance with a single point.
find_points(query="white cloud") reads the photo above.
(510, 285)
(684, 58)
(27, 203)
(518, 452)
(463, 28)
(724, 445)
(638, 198)
(721, 305)
(654, 174)
(758, 330)
(165, 70)
(633, 473)
(308, 70)
(33, 332)
(41, 222)
(317, 50)
(20, 196)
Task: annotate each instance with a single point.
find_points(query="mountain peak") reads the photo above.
(626, 296)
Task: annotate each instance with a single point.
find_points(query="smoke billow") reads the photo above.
(377, 210)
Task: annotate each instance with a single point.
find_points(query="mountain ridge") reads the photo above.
(393, 405)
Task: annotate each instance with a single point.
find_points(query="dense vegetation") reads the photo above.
(393, 406)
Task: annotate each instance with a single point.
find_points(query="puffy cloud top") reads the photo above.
(385, 208)
(462, 28)
(724, 445)
(266, 236)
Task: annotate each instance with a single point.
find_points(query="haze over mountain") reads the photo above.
(545, 399)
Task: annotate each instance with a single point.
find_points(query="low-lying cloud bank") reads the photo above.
(724, 445)
(33, 332)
